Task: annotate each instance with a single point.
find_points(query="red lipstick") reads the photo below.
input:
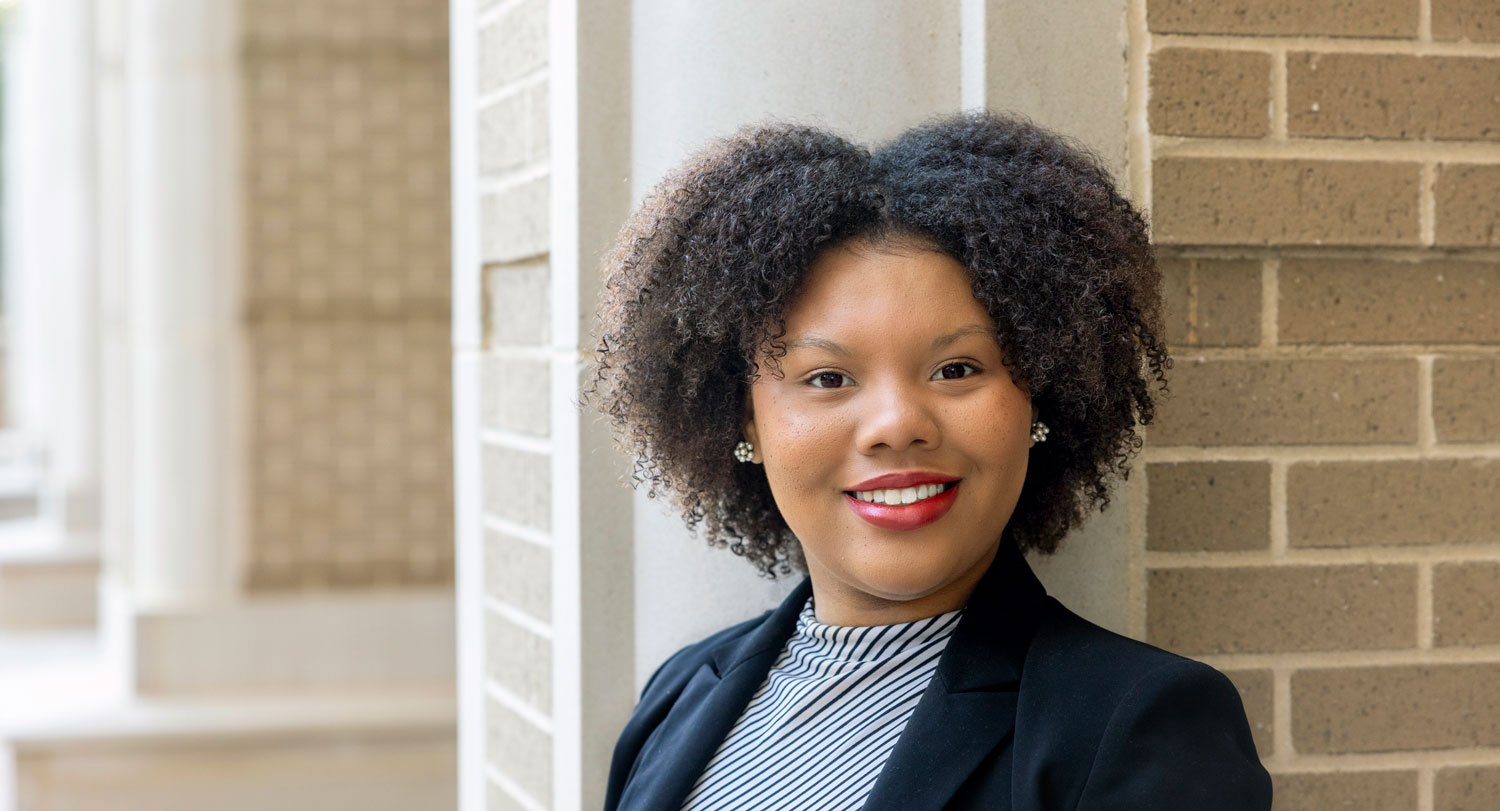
(904, 516)
(896, 481)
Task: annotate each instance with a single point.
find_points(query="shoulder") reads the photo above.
(680, 666)
(1105, 721)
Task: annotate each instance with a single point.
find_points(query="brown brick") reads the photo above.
(1477, 20)
(1467, 788)
(1463, 399)
(1464, 610)
(1395, 708)
(1468, 205)
(1289, 402)
(1350, 95)
(1340, 18)
(1254, 201)
(1260, 609)
(1393, 502)
(1345, 791)
(1196, 91)
(1215, 506)
(1211, 302)
(1255, 693)
(1367, 301)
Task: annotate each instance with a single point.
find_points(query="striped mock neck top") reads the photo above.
(817, 732)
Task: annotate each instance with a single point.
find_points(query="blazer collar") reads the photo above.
(969, 707)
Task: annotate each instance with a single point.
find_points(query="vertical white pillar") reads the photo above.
(49, 266)
(592, 588)
(186, 462)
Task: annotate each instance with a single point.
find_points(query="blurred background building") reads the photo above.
(299, 509)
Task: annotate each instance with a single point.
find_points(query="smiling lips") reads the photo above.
(903, 501)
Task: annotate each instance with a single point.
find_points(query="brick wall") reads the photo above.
(1320, 511)
(514, 237)
(345, 137)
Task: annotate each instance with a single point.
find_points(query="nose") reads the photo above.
(896, 417)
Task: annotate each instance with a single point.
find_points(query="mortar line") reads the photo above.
(1192, 314)
(1385, 761)
(1284, 753)
(1394, 253)
(1425, 629)
(1395, 657)
(1327, 44)
(1327, 149)
(1347, 556)
(1319, 453)
(511, 789)
(1270, 302)
(1424, 21)
(1330, 351)
(1137, 504)
(1278, 95)
(1426, 426)
(1279, 536)
(1426, 785)
(1427, 203)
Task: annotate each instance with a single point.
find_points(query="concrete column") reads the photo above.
(182, 309)
(50, 278)
(865, 69)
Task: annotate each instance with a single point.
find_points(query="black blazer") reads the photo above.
(1031, 708)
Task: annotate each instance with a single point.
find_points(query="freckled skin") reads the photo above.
(886, 400)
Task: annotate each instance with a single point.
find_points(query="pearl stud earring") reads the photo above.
(744, 451)
(1039, 431)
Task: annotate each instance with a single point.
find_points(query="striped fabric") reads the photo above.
(817, 733)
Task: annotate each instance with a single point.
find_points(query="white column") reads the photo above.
(867, 69)
(49, 265)
(183, 322)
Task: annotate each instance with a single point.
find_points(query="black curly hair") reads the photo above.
(698, 282)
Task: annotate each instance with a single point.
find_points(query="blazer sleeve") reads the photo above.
(1178, 739)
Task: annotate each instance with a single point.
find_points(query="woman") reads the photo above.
(897, 372)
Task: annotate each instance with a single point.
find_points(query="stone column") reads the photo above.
(181, 306)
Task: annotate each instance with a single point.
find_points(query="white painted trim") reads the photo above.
(468, 469)
(972, 47)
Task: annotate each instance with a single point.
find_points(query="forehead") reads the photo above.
(884, 290)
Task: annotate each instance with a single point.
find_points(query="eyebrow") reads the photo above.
(817, 342)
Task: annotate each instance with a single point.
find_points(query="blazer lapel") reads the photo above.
(713, 699)
(969, 707)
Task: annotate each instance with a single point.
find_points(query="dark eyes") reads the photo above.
(837, 380)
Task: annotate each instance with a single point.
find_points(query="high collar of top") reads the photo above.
(868, 643)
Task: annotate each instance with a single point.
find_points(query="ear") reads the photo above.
(748, 429)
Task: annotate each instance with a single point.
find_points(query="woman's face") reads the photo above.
(892, 382)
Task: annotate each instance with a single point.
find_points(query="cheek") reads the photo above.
(801, 447)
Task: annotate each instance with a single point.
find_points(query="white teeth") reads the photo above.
(905, 495)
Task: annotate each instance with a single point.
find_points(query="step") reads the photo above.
(376, 750)
(45, 585)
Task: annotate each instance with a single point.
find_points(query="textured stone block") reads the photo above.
(1288, 402)
(513, 130)
(519, 661)
(1255, 692)
(1467, 788)
(518, 304)
(1476, 20)
(1211, 302)
(1351, 95)
(1464, 392)
(1208, 506)
(1395, 708)
(513, 45)
(1393, 502)
(1464, 607)
(1254, 201)
(1468, 205)
(1261, 609)
(516, 395)
(1340, 18)
(1370, 301)
(1345, 791)
(514, 223)
(1205, 92)
(518, 486)
(519, 573)
(520, 751)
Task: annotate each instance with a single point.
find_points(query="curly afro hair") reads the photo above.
(698, 282)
